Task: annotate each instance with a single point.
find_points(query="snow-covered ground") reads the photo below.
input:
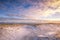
(29, 32)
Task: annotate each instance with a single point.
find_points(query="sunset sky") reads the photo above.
(30, 9)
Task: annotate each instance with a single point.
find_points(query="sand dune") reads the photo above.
(28, 32)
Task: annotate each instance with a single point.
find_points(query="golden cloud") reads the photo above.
(44, 9)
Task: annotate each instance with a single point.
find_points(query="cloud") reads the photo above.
(30, 9)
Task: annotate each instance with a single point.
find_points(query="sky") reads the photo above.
(30, 9)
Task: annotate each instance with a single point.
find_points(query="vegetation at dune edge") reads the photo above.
(7, 25)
